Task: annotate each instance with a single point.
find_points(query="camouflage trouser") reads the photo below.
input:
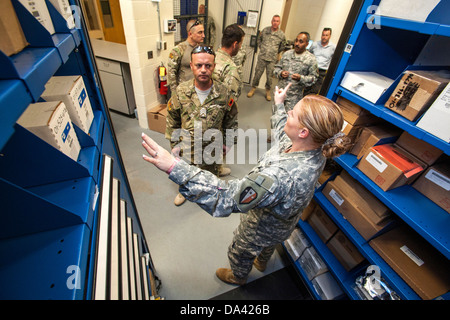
(242, 253)
(262, 65)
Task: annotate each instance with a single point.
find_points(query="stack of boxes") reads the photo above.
(67, 104)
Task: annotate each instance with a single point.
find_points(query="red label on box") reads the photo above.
(406, 165)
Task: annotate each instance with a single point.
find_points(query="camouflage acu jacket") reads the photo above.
(184, 110)
(305, 65)
(178, 68)
(272, 195)
(227, 72)
(270, 44)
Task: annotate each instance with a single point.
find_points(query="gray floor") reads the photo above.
(186, 244)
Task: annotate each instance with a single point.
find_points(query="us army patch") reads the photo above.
(247, 196)
(252, 190)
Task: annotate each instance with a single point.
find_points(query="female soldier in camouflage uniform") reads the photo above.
(274, 194)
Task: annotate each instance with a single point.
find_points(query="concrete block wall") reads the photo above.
(140, 21)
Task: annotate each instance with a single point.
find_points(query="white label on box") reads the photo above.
(292, 247)
(376, 162)
(336, 197)
(439, 179)
(412, 256)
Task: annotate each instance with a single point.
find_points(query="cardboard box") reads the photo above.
(417, 262)
(71, 90)
(415, 92)
(435, 185)
(312, 263)
(369, 85)
(63, 7)
(51, 122)
(374, 135)
(419, 148)
(437, 118)
(354, 114)
(39, 10)
(345, 251)
(327, 287)
(352, 213)
(369, 205)
(12, 39)
(389, 166)
(351, 131)
(156, 118)
(322, 224)
(296, 244)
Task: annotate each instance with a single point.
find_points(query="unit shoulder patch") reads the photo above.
(252, 190)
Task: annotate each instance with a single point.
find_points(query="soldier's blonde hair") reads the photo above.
(324, 120)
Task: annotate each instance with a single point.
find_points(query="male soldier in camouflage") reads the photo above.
(210, 30)
(178, 66)
(227, 72)
(298, 66)
(271, 41)
(274, 194)
(196, 106)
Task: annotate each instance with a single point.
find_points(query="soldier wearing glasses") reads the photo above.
(200, 102)
(179, 69)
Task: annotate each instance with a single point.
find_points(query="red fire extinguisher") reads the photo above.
(162, 76)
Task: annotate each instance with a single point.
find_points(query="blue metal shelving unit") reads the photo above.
(50, 203)
(388, 50)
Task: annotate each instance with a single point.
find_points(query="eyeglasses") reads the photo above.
(196, 23)
(199, 49)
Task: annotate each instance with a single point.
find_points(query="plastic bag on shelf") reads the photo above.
(371, 286)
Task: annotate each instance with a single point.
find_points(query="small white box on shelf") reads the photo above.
(51, 122)
(436, 119)
(71, 90)
(369, 85)
(39, 10)
(312, 263)
(327, 287)
(63, 7)
(296, 244)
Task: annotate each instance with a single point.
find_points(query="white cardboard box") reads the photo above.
(417, 10)
(312, 263)
(436, 119)
(327, 287)
(71, 90)
(38, 8)
(296, 244)
(369, 85)
(50, 121)
(64, 9)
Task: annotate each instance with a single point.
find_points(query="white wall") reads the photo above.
(140, 20)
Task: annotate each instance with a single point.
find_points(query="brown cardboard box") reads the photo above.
(156, 118)
(308, 210)
(419, 148)
(322, 224)
(354, 114)
(389, 166)
(351, 131)
(345, 251)
(415, 92)
(374, 135)
(369, 205)
(435, 185)
(417, 262)
(351, 211)
(12, 39)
